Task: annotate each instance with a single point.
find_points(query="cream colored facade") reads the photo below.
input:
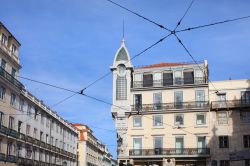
(30, 132)
(230, 122)
(162, 114)
(166, 114)
(91, 152)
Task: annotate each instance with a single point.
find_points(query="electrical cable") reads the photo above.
(215, 23)
(147, 19)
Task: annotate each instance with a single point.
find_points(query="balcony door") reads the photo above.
(200, 98)
(221, 99)
(201, 144)
(138, 102)
(157, 101)
(158, 145)
(137, 145)
(178, 99)
(179, 145)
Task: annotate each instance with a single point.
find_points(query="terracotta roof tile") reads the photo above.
(164, 64)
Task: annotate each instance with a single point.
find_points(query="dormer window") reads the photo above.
(188, 76)
(178, 77)
(4, 40)
(147, 80)
(13, 48)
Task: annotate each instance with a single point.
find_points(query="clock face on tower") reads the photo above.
(121, 69)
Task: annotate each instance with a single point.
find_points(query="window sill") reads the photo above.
(200, 126)
(158, 127)
(137, 128)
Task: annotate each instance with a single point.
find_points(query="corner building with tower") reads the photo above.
(160, 112)
(163, 115)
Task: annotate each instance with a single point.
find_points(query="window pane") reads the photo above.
(158, 143)
(200, 119)
(121, 88)
(157, 101)
(222, 118)
(179, 119)
(158, 120)
(137, 121)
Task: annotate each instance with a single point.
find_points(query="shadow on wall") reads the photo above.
(230, 141)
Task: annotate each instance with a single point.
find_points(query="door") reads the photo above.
(200, 98)
(137, 145)
(138, 102)
(157, 101)
(178, 99)
(201, 144)
(179, 145)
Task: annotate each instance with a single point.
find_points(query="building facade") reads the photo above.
(30, 132)
(167, 114)
(161, 112)
(230, 122)
(91, 152)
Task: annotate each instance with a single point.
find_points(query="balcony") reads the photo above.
(11, 79)
(171, 82)
(229, 104)
(13, 133)
(171, 106)
(2, 157)
(29, 139)
(22, 136)
(11, 158)
(170, 152)
(3, 129)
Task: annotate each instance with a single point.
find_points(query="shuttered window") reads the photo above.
(121, 88)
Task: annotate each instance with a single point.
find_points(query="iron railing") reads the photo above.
(171, 82)
(169, 151)
(230, 104)
(170, 106)
(11, 158)
(10, 78)
(2, 157)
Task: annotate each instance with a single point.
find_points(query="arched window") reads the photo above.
(121, 88)
(122, 55)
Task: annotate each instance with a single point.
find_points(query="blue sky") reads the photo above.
(72, 43)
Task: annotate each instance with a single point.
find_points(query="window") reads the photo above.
(199, 78)
(137, 145)
(178, 77)
(245, 97)
(157, 120)
(9, 148)
(2, 93)
(200, 119)
(56, 142)
(13, 72)
(246, 141)
(57, 127)
(157, 101)
(221, 100)
(27, 129)
(121, 88)
(47, 121)
(137, 80)
(47, 138)
(201, 144)
(11, 122)
(147, 80)
(245, 116)
(138, 102)
(51, 140)
(1, 118)
(21, 105)
(52, 125)
(35, 133)
(157, 79)
(158, 142)
(223, 142)
(13, 99)
(36, 113)
(29, 110)
(19, 126)
(179, 120)
(137, 122)
(3, 64)
(179, 144)
(188, 77)
(178, 99)
(224, 163)
(199, 97)
(41, 136)
(13, 48)
(222, 117)
(42, 119)
(4, 40)
(167, 78)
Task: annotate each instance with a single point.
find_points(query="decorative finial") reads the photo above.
(123, 40)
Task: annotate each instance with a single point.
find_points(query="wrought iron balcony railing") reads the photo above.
(169, 151)
(2, 157)
(11, 158)
(171, 106)
(170, 82)
(230, 104)
(10, 78)
(3, 129)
